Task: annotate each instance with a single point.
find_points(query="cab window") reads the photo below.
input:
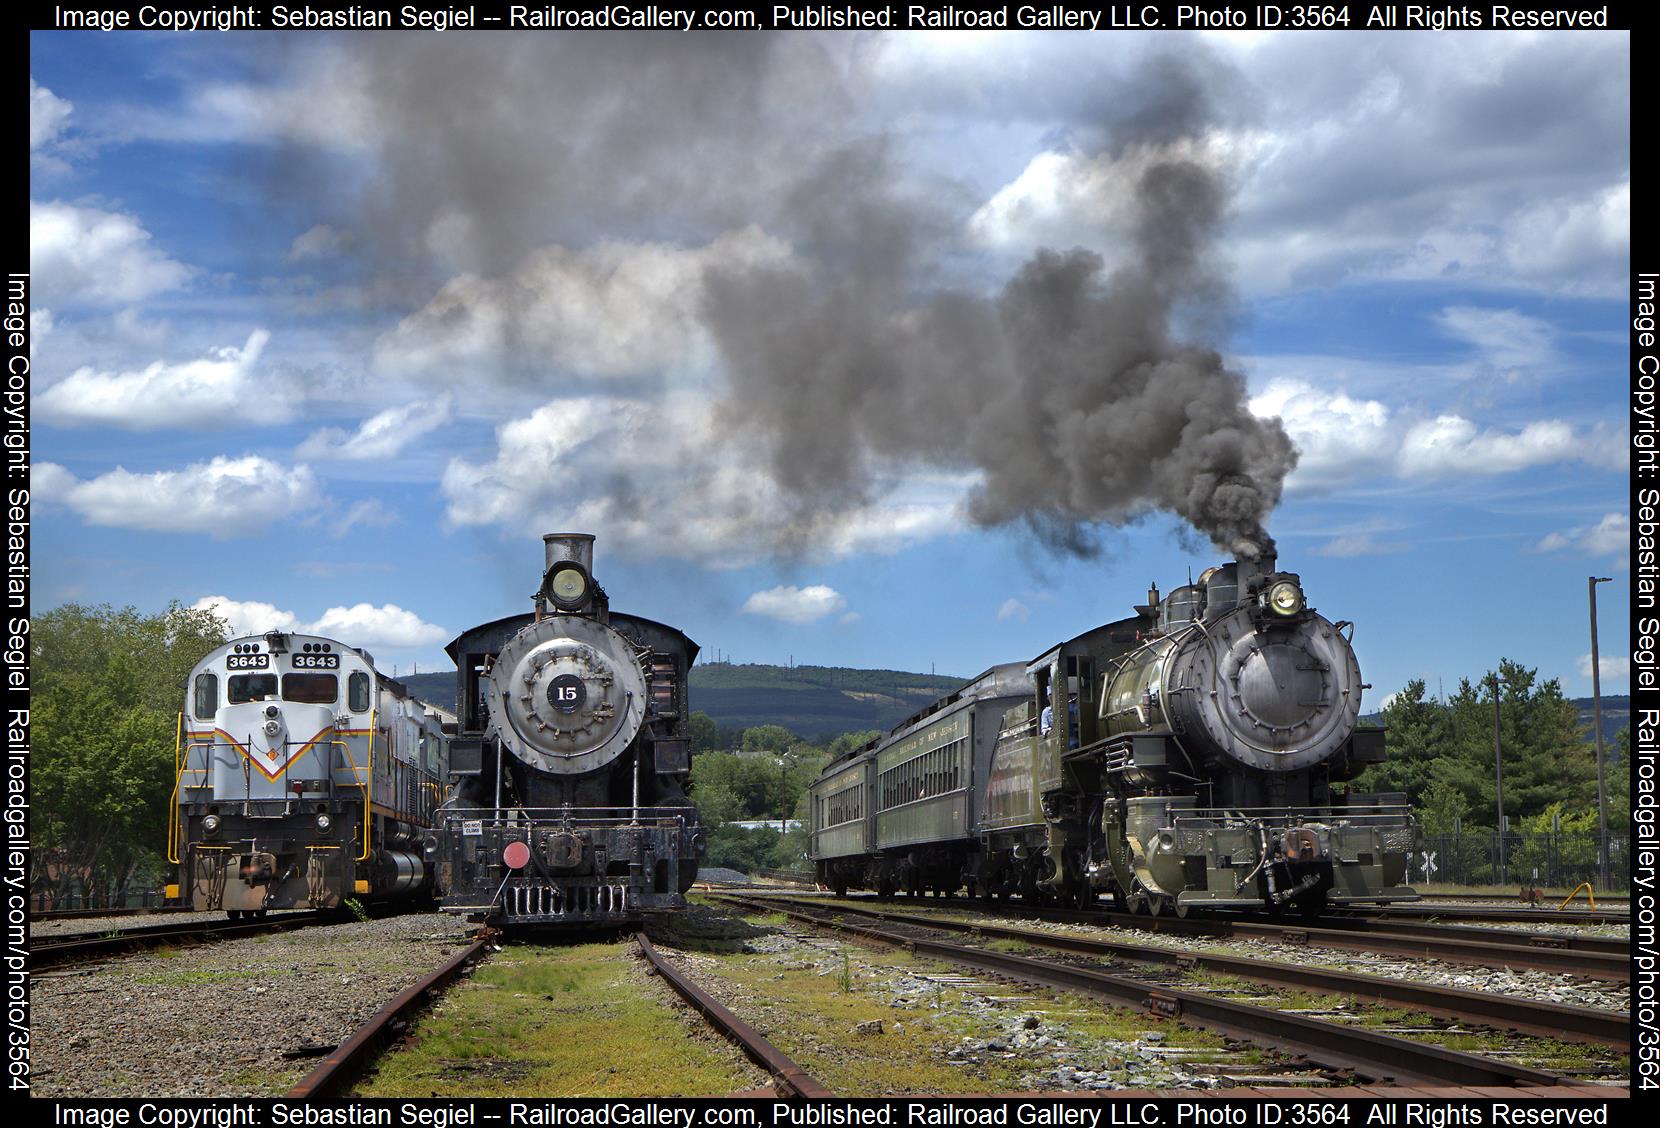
(311, 689)
(358, 688)
(242, 688)
(207, 695)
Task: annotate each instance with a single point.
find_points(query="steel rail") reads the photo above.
(81, 948)
(337, 1072)
(1366, 1053)
(1561, 941)
(1615, 899)
(792, 1080)
(1550, 1020)
(1490, 912)
(1599, 958)
(88, 914)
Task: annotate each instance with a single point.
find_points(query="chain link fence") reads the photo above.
(1545, 860)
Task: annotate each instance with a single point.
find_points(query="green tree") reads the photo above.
(848, 741)
(774, 739)
(704, 732)
(1546, 759)
(108, 688)
(1415, 736)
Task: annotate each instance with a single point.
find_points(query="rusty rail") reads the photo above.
(337, 1072)
(793, 1081)
(1600, 958)
(1367, 1053)
(45, 951)
(1527, 1016)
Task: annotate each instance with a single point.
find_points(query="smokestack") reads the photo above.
(1253, 570)
(569, 546)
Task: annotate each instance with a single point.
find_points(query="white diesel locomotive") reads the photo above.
(303, 776)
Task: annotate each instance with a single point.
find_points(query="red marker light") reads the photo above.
(516, 855)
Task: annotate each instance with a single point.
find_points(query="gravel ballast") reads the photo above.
(239, 1018)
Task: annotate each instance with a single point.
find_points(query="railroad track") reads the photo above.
(1550, 902)
(1550, 1020)
(790, 1078)
(90, 914)
(1491, 913)
(83, 948)
(337, 1073)
(1366, 1053)
(1601, 958)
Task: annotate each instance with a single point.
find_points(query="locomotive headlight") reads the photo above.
(210, 824)
(1285, 598)
(567, 586)
(324, 822)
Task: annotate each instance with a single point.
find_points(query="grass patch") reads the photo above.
(823, 1012)
(577, 1021)
(186, 977)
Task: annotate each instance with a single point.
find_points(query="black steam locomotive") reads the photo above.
(570, 760)
(1184, 757)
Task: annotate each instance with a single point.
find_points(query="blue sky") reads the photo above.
(330, 329)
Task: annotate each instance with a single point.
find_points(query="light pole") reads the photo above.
(1498, 775)
(1596, 707)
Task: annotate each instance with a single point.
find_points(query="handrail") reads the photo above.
(173, 800)
(368, 785)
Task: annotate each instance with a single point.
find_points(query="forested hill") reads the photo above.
(814, 702)
(819, 702)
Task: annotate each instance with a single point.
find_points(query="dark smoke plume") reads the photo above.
(1068, 391)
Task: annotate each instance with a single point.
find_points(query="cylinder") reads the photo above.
(568, 546)
(408, 873)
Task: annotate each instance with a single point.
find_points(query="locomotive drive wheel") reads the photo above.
(1182, 911)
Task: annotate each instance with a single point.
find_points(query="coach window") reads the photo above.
(311, 689)
(357, 689)
(207, 695)
(250, 687)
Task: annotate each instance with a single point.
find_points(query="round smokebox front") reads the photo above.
(566, 695)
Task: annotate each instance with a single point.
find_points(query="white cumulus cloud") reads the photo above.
(248, 617)
(217, 390)
(1013, 609)
(361, 624)
(1611, 536)
(381, 436)
(87, 254)
(797, 605)
(659, 477)
(1612, 667)
(386, 625)
(1451, 445)
(47, 115)
(224, 497)
(1342, 439)
(610, 310)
